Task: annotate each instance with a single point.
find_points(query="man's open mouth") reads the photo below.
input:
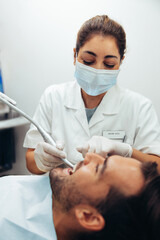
(67, 171)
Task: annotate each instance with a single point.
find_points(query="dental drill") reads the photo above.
(47, 138)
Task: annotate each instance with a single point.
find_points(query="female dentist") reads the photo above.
(124, 122)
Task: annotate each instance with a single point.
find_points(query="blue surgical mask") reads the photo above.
(95, 81)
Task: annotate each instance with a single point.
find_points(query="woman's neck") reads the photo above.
(91, 101)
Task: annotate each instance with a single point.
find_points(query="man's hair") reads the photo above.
(134, 217)
(150, 208)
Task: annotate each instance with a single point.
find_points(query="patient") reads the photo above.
(114, 198)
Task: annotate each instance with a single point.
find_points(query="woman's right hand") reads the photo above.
(48, 157)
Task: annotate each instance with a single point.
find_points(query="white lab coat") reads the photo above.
(61, 112)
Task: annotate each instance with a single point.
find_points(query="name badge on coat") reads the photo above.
(118, 135)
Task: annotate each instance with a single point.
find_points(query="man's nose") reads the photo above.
(93, 157)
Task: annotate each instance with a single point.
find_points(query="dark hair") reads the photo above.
(106, 27)
(122, 221)
(150, 208)
(149, 170)
(134, 217)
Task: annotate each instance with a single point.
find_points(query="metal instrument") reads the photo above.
(47, 138)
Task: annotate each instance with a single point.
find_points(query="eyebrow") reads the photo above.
(91, 53)
(107, 56)
(103, 167)
(110, 56)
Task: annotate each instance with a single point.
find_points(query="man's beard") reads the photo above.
(66, 192)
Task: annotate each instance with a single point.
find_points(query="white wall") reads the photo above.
(37, 39)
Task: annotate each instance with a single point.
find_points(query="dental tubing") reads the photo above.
(47, 138)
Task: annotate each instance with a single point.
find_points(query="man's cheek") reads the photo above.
(83, 171)
(83, 178)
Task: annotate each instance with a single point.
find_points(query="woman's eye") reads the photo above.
(109, 65)
(88, 62)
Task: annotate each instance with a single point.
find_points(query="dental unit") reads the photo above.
(47, 138)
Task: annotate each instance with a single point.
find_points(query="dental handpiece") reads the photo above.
(47, 138)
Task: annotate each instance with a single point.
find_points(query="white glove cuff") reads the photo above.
(129, 152)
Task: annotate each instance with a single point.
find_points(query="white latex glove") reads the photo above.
(47, 156)
(104, 147)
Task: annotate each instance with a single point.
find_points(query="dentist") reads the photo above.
(124, 122)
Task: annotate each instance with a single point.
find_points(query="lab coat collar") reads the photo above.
(74, 101)
(73, 98)
(109, 105)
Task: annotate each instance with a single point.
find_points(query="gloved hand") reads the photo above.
(47, 156)
(104, 147)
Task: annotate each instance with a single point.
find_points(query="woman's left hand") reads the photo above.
(104, 147)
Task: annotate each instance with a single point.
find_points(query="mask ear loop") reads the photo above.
(75, 57)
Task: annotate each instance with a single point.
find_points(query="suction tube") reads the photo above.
(47, 138)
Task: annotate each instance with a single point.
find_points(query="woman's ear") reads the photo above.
(89, 218)
(122, 59)
(74, 52)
